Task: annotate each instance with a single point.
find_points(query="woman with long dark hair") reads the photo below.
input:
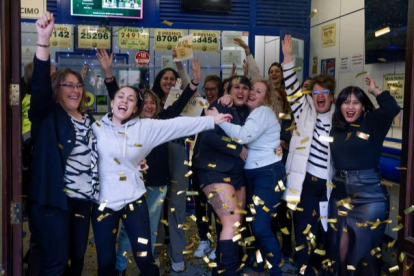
(359, 203)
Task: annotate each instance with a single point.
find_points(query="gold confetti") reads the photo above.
(102, 216)
(60, 146)
(291, 127)
(320, 252)
(173, 181)
(125, 254)
(398, 228)
(131, 207)
(219, 189)
(313, 12)
(103, 205)
(259, 258)
(205, 219)
(302, 269)
(300, 247)
(266, 209)
(142, 240)
(231, 146)
(314, 178)
(285, 231)
(117, 161)
(212, 165)
(402, 257)
(169, 23)
(297, 69)
(375, 225)
(187, 251)
(285, 116)
(137, 145)
(362, 135)
(354, 125)
(394, 268)
(324, 138)
(382, 59)
(188, 163)
(164, 222)
(300, 148)
(306, 231)
(192, 193)
(342, 213)
(296, 95)
(142, 254)
(202, 104)
(210, 195)
(375, 251)
(237, 140)
(350, 267)
(227, 179)
(240, 211)
(225, 138)
(206, 259)
(193, 217)
(281, 185)
(361, 73)
(330, 185)
(348, 136)
(66, 190)
(212, 265)
(181, 192)
(98, 124)
(407, 267)
(304, 140)
(231, 196)
(190, 172)
(401, 168)
(391, 244)
(236, 237)
(332, 220)
(122, 178)
(79, 216)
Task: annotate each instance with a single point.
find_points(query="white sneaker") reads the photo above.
(212, 255)
(202, 249)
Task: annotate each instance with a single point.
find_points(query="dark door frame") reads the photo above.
(10, 118)
(405, 236)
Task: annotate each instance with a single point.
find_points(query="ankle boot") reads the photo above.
(228, 260)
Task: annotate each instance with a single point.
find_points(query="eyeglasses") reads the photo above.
(72, 85)
(325, 91)
(205, 89)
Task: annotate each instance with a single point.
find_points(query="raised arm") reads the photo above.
(42, 100)
(185, 78)
(106, 62)
(254, 71)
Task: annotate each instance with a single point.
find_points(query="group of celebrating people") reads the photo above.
(270, 156)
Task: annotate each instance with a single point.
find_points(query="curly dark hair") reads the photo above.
(156, 87)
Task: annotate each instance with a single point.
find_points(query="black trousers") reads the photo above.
(313, 192)
(135, 218)
(62, 236)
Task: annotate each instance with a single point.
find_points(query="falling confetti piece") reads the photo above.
(361, 73)
(394, 268)
(297, 69)
(189, 173)
(66, 190)
(350, 267)
(237, 140)
(212, 165)
(142, 254)
(236, 237)
(304, 140)
(103, 205)
(98, 124)
(306, 231)
(225, 138)
(398, 228)
(348, 136)
(259, 258)
(300, 148)
(320, 252)
(142, 240)
(192, 193)
(324, 138)
(227, 179)
(169, 23)
(79, 216)
(117, 161)
(231, 146)
(362, 135)
(285, 231)
(382, 59)
(313, 13)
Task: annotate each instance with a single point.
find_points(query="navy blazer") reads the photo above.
(53, 136)
(215, 147)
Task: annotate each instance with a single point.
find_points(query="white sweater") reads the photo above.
(120, 149)
(261, 135)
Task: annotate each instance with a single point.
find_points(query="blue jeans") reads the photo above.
(262, 182)
(154, 209)
(135, 217)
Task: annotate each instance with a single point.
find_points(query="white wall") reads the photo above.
(350, 30)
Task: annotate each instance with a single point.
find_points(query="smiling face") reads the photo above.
(123, 105)
(239, 92)
(211, 90)
(352, 108)
(322, 98)
(68, 96)
(257, 95)
(150, 107)
(275, 75)
(168, 80)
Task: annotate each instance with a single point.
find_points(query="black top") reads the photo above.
(357, 153)
(158, 173)
(215, 147)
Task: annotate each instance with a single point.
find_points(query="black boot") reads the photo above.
(228, 260)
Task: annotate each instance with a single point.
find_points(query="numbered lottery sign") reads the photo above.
(142, 58)
(133, 38)
(166, 39)
(205, 41)
(94, 37)
(61, 36)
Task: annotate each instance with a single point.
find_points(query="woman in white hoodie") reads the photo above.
(123, 141)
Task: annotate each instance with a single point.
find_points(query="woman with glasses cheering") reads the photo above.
(65, 177)
(308, 164)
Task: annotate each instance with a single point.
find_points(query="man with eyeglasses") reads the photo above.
(308, 166)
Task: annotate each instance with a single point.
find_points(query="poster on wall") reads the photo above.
(228, 36)
(61, 36)
(230, 57)
(168, 62)
(133, 38)
(328, 35)
(205, 41)
(328, 67)
(91, 37)
(395, 84)
(357, 62)
(344, 65)
(166, 39)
